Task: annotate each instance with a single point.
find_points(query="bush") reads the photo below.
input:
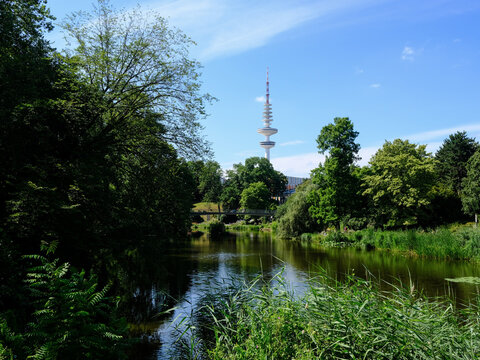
(216, 229)
(336, 237)
(293, 217)
(71, 319)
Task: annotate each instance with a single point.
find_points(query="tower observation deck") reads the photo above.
(267, 131)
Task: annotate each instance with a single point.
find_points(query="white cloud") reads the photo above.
(224, 28)
(375, 86)
(359, 70)
(435, 134)
(302, 164)
(297, 165)
(260, 99)
(294, 142)
(408, 53)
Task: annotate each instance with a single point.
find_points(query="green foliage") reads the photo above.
(452, 159)
(333, 320)
(141, 64)
(255, 196)
(336, 237)
(89, 159)
(216, 229)
(254, 170)
(400, 183)
(294, 218)
(230, 197)
(208, 184)
(463, 243)
(471, 186)
(71, 319)
(337, 193)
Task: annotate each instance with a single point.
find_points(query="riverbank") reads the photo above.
(456, 243)
(333, 320)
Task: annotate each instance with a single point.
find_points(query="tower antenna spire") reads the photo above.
(267, 131)
(268, 89)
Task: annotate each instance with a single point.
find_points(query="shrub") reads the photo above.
(216, 229)
(71, 319)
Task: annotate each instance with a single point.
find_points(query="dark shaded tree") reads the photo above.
(471, 187)
(452, 159)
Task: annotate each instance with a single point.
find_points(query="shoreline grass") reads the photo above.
(333, 320)
(460, 243)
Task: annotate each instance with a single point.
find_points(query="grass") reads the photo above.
(332, 320)
(457, 242)
(206, 206)
(463, 243)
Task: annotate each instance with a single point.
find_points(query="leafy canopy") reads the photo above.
(337, 186)
(254, 170)
(400, 182)
(471, 186)
(141, 65)
(255, 196)
(452, 159)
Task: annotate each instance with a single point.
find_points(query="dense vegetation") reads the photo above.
(332, 320)
(403, 186)
(90, 144)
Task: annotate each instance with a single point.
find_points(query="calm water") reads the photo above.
(191, 270)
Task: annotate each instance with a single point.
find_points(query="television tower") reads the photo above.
(267, 131)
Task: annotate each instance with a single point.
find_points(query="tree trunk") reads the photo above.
(476, 219)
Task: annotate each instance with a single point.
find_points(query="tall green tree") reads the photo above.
(208, 180)
(452, 159)
(141, 64)
(211, 181)
(336, 196)
(400, 183)
(471, 187)
(255, 196)
(254, 170)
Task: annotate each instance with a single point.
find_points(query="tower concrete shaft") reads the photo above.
(267, 131)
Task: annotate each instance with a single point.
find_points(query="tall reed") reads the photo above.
(332, 320)
(442, 243)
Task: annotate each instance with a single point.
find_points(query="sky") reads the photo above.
(406, 69)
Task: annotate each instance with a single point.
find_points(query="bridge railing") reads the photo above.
(257, 212)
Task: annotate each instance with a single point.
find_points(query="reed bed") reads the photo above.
(332, 320)
(463, 243)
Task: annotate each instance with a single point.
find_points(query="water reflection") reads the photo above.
(192, 270)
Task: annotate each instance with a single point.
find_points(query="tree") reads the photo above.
(293, 216)
(452, 159)
(208, 180)
(256, 196)
(471, 187)
(255, 169)
(141, 65)
(211, 182)
(335, 197)
(400, 183)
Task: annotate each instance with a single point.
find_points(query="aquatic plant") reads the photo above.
(332, 320)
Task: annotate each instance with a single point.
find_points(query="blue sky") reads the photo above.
(397, 68)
